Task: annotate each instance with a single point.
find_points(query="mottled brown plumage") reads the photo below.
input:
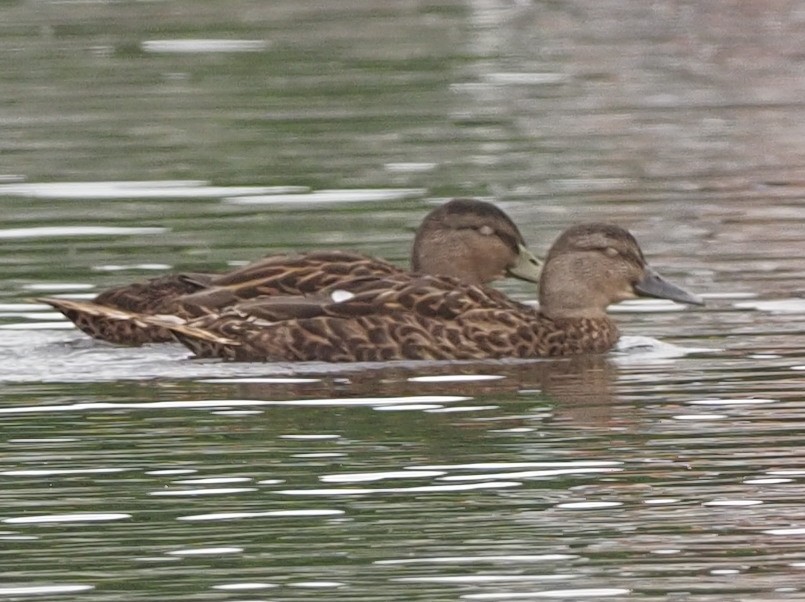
(422, 317)
(468, 239)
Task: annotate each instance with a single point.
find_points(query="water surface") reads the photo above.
(147, 137)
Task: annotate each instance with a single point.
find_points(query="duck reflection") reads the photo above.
(579, 389)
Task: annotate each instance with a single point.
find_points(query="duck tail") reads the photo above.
(109, 324)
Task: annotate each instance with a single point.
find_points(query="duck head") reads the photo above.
(591, 266)
(473, 241)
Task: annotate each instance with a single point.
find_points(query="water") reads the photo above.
(146, 137)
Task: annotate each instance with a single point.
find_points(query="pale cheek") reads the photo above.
(626, 290)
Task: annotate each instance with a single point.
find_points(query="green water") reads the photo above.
(666, 472)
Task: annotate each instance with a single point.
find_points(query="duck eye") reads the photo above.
(611, 252)
(486, 230)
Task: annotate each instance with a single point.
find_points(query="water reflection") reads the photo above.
(633, 476)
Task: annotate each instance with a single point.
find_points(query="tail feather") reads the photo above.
(87, 308)
(109, 323)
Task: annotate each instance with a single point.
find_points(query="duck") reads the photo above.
(415, 316)
(470, 240)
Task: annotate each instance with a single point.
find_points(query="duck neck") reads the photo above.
(580, 335)
(572, 305)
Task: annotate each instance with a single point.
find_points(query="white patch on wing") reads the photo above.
(339, 296)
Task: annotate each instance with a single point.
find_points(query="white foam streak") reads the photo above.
(145, 189)
(41, 590)
(566, 594)
(510, 465)
(75, 231)
(530, 474)
(194, 46)
(78, 517)
(269, 514)
(368, 477)
(421, 489)
(331, 196)
(230, 403)
(514, 558)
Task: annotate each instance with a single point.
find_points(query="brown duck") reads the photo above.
(421, 317)
(467, 239)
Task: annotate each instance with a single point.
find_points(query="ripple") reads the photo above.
(51, 441)
(244, 586)
(76, 231)
(212, 480)
(331, 196)
(525, 474)
(39, 326)
(83, 407)
(643, 348)
(172, 471)
(191, 46)
(454, 378)
(485, 578)
(197, 492)
(778, 306)
(644, 306)
(421, 489)
(232, 403)
(20, 307)
(42, 590)
(409, 167)
(75, 296)
(498, 465)
(411, 407)
(253, 380)
(588, 505)
(77, 517)
(727, 295)
(206, 551)
(699, 417)
(270, 513)
(57, 286)
(44, 472)
(519, 429)
(519, 558)
(787, 531)
(320, 455)
(457, 409)
(733, 503)
(133, 189)
(571, 594)
(526, 78)
(378, 401)
(734, 402)
(161, 267)
(367, 477)
(38, 315)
